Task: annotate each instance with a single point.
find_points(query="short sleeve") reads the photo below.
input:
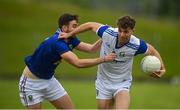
(101, 30)
(61, 47)
(142, 47)
(74, 41)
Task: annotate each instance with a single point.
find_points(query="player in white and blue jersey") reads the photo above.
(38, 82)
(114, 78)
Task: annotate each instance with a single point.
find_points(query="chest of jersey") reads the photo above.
(123, 54)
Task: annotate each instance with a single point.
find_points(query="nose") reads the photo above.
(123, 34)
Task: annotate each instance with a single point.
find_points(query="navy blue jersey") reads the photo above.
(46, 57)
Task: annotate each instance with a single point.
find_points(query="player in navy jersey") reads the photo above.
(38, 82)
(114, 78)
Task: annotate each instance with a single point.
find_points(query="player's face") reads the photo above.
(125, 34)
(72, 25)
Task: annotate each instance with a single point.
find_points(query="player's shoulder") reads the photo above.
(134, 40)
(106, 31)
(112, 31)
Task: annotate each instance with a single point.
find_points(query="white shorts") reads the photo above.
(107, 89)
(33, 91)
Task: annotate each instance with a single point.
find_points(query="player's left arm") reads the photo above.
(88, 26)
(91, 48)
(152, 51)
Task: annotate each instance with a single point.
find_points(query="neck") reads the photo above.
(122, 42)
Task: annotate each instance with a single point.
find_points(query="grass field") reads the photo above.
(144, 95)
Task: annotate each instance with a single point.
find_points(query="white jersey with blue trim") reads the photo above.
(121, 68)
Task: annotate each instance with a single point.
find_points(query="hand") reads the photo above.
(109, 57)
(63, 35)
(158, 74)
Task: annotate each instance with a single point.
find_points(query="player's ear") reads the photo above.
(133, 29)
(64, 28)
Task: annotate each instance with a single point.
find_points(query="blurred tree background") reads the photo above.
(26, 23)
(149, 8)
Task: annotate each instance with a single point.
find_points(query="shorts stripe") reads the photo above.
(23, 90)
(22, 84)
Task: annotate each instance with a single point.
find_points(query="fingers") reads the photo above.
(110, 57)
(62, 35)
(158, 74)
(113, 56)
(154, 75)
(160, 71)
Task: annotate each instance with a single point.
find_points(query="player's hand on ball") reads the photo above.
(158, 74)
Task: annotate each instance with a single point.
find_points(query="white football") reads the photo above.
(150, 64)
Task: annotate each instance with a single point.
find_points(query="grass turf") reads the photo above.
(143, 95)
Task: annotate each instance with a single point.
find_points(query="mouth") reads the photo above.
(123, 38)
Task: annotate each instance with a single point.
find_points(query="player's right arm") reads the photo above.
(91, 48)
(72, 58)
(92, 26)
(150, 50)
(154, 52)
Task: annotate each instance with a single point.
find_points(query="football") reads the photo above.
(150, 64)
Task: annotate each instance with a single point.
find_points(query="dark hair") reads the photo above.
(66, 18)
(126, 22)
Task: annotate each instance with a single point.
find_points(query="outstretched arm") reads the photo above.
(93, 26)
(86, 47)
(154, 52)
(71, 58)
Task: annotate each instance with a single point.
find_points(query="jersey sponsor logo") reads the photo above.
(71, 46)
(121, 54)
(119, 61)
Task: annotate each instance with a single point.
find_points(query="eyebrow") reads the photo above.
(124, 30)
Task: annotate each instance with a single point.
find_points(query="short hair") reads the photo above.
(126, 22)
(66, 18)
